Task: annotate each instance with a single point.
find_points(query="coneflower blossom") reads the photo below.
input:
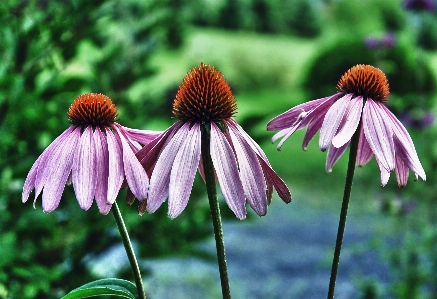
(95, 153)
(358, 105)
(204, 101)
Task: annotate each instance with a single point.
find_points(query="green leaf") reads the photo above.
(107, 286)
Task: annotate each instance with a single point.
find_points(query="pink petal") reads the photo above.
(116, 171)
(288, 133)
(83, 173)
(136, 176)
(36, 177)
(160, 179)
(57, 171)
(379, 134)
(401, 172)
(404, 146)
(251, 173)
(278, 183)
(142, 136)
(385, 175)
(102, 171)
(149, 154)
(313, 127)
(334, 154)
(289, 118)
(183, 172)
(257, 149)
(364, 153)
(351, 121)
(225, 165)
(332, 121)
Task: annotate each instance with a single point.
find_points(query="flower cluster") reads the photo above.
(95, 154)
(357, 108)
(204, 103)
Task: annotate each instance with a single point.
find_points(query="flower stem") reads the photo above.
(343, 214)
(215, 212)
(129, 250)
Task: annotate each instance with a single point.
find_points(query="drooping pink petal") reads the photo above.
(332, 121)
(116, 170)
(364, 152)
(83, 173)
(102, 171)
(351, 121)
(226, 168)
(404, 146)
(289, 117)
(255, 147)
(288, 132)
(334, 154)
(36, 177)
(160, 179)
(313, 127)
(385, 175)
(149, 154)
(183, 172)
(251, 174)
(379, 134)
(58, 170)
(136, 176)
(142, 136)
(278, 183)
(401, 172)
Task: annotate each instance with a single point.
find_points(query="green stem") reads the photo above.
(215, 212)
(343, 214)
(129, 250)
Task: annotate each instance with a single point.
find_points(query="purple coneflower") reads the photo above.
(204, 102)
(95, 153)
(358, 105)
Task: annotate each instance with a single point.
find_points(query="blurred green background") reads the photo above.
(275, 54)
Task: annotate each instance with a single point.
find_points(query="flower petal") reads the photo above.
(379, 134)
(225, 165)
(160, 179)
(404, 146)
(291, 116)
(332, 121)
(364, 152)
(385, 175)
(83, 173)
(149, 154)
(313, 127)
(57, 171)
(401, 172)
(36, 177)
(278, 183)
(136, 176)
(334, 154)
(183, 172)
(251, 173)
(116, 171)
(351, 121)
(142, 136)
(102, 171)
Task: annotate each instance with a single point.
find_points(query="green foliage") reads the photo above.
(111, 287)
(427, 36)
(300, 17)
